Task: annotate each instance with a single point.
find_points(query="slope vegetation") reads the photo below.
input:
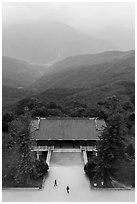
(90, 83)
(19, 74)
(86, 78)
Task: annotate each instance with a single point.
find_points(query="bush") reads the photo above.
(89, 169)
(130, 150)
(6, 119)
(40, 168)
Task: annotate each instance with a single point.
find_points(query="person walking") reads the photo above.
(67, 189)
(55, 183)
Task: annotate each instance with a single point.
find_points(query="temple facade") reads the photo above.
(58, 134)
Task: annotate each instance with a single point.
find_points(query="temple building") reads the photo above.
(65, 133)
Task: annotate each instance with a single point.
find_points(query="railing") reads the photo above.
(47, 148)
(88, 148)
(42, 148)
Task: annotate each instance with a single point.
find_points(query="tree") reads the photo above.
(23, 164)
(9, 161)
(39, 112)
(79, 112)
(132, 99)
(54, 112)
(19, 131)
(130, 150)
(40, 168)
(132, 116)
(110, 148)
(52, 105)
(6, 119)
(109, 106)
(128, 106)
(89, 169)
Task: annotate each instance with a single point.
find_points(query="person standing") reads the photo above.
(67, 189)
(55, 183)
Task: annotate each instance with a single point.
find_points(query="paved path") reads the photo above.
(79, 189)
(73, 176)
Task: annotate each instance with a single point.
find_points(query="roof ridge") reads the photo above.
(68, 118)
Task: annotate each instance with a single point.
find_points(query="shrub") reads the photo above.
(6, 119)
(89, 169)
(40, 168)
(130, 150)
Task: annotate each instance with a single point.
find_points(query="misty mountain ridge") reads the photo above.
(85, 78)
(89, 83)
(72, 67)
(123, 37)
(45, 42)
(11, 95)
(19, 74)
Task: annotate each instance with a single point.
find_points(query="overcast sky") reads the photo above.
(79, 15)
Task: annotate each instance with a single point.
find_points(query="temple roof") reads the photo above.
(64, 129)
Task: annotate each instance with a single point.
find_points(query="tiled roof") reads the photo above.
(66, 129)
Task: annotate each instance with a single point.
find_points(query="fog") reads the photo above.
(80, 15)
(112, 23)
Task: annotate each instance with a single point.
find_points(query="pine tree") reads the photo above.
(20, 133)
(110, 148)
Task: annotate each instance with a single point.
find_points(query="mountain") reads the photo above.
(12, 95)
(84, 70)
(90, 83)
(84, 78)
(45, 42)
(122, 37)
(19, 74)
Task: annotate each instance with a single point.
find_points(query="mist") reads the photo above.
(106, 26)
(82, 15)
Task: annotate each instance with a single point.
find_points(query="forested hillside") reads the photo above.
(85, 78)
